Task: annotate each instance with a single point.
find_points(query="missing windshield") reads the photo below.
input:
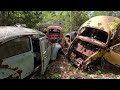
(95, 33)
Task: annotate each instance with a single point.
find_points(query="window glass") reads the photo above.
(14, 47)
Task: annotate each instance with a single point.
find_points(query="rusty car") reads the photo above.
(97, 38)
(54, 33)
(56, 36)
(24, 51)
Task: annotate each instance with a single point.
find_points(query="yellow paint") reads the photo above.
(112, 57)
(114, 24)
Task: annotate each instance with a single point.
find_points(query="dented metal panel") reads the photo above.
(94, 41)
(112, 55)
(83, 52)
(15, 64)
(10, 31)
(55, 48)
(100, 22)
(18, 55)
(46, 50)
(20, 65)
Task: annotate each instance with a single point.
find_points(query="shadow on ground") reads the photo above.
(62, 69)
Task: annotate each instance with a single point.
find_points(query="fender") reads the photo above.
(55, 48)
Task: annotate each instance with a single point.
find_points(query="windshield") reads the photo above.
(95, 33)
(55, 31)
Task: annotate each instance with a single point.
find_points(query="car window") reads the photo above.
(14, 47)
(95, 33)
(117, 49)
(55, 31)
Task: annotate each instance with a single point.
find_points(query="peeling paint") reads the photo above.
(99, 24)
(90, 45)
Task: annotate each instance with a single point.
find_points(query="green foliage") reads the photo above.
(78, 18)
(30, 18)
(108, 13)
(98, 13)
(69, 20)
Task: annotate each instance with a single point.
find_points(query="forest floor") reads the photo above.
(61, 68)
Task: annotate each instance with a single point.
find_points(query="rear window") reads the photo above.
(51, 31)
(95, 33)
(14, 47)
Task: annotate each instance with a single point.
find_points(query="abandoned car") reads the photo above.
(55, 35)
(97, 38)
(23, 51)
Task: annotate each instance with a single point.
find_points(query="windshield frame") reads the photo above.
(84, 28)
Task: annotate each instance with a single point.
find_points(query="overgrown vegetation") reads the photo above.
(69, 20)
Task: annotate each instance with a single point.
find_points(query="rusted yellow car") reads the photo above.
(99, 37)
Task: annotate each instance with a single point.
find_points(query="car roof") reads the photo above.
(12, 31)
(54, 27)
(100, 22)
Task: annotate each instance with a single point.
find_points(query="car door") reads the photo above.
(45, 49)
(17, 58)
(113, 55)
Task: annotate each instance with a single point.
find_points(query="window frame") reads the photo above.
(13, 39)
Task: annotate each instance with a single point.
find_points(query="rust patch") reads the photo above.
(1, 61)
(16, 68)
(4, 66)
(89, 22)
(19, 72)
(99, 24)
(81, 52)
(13, 76)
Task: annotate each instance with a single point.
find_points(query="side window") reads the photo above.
(14, 47)
(117, 49)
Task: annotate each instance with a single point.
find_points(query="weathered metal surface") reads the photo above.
(11, 31)
(55, 48)
(17, 65)
(54, 27)
(100, 22)
(55, 35)
(90, 45)
(70, 36)
(46, 50)
(22, 65)
(81, 52)
(112, 55)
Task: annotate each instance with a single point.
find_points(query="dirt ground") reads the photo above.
(61, 68)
